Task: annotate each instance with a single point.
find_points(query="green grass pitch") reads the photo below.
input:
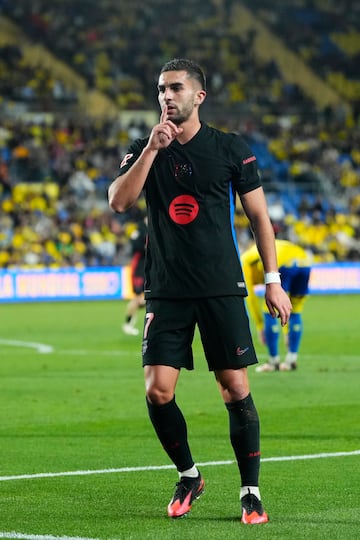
(78, 456)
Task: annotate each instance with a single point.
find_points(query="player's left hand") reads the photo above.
(278, 302)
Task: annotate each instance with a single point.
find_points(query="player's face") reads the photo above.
(180, 94)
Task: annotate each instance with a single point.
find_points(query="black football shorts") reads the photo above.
(223, 325)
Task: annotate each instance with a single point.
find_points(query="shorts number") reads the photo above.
(149, 318)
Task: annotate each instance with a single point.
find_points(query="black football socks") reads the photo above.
(170, 426)
(245, 439)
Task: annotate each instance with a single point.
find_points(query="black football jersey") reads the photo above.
(192, 251)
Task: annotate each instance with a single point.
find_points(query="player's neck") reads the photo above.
(190, 129)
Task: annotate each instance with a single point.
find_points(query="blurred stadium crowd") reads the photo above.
(59, 150)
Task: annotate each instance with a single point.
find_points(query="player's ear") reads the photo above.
(200, 97)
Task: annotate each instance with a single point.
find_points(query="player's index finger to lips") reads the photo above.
(163, 116)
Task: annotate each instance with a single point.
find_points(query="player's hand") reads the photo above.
(278, 302)
(163, 133)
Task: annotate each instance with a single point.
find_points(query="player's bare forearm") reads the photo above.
(265, 241)
(125, 189)
(255, 207)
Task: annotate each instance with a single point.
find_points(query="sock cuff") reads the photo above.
(162, 407)
(192, 472)
(246, 490)
(241, 403)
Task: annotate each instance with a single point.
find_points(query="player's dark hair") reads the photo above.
(192, 68)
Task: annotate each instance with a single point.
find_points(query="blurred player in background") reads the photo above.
(294, 266)
(138, 242)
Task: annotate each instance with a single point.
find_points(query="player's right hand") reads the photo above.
(163, 133)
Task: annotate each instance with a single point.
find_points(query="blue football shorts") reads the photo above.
(295, 279)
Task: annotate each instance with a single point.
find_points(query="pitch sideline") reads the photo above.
(322, 455)
(21, 536)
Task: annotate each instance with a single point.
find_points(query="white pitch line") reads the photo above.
(47, 349)
(43, 348)
(22, 536)
(164, 467)
(40, 347)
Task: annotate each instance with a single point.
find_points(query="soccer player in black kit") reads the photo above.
(190, 174)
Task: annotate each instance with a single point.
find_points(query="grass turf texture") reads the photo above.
(82, 408)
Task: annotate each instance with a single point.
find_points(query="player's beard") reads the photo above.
(182, 115)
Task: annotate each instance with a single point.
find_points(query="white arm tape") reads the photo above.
(272, 277)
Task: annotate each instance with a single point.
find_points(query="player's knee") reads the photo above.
(158, 396)
(234, 385)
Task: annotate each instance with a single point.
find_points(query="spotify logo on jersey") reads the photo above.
(183, 209)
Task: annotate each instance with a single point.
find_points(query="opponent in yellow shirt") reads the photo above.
(294, 267)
